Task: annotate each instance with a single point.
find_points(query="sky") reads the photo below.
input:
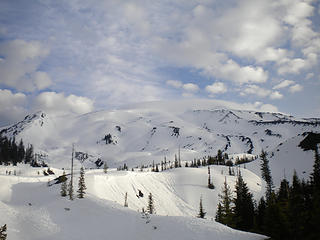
(74, 56)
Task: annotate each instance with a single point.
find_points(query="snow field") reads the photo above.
(176, 192)
(34, 211)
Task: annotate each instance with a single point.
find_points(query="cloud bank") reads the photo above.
(109, 53)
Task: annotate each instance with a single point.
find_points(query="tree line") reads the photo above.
(13, 153)
(290, 212)
(220, 159)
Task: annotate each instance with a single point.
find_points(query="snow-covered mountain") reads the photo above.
(148, 132)
(141, 134)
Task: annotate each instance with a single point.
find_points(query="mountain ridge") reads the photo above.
(149, 133)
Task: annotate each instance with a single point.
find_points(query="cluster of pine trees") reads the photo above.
(237, 212)
(13, 153)
(220, 159)
(67, 189)
(291, 212)
(165, 165)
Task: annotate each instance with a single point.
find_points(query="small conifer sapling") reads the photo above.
(150, 207)
(81, 185)
(63, 191)
(201, 213)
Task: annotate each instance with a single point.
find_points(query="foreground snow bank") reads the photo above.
(34, 211)
(176, 192)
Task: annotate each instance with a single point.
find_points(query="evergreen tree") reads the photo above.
(283, 193)
(219, 214)
(14, 152)
(296, 208)
(315, 175)
(195, 163)
(70, 190)
(314, 212)
(226, 201)
(210, 160)
(201, 213)
(21, 151)
(153, 169)
(150, 207)
(5, 151)
(204, 162)
(260, 216)
(63, 191)
(81, 184)
(243, 210)
(220, 158)
(266, 173)
(29, 156)
(176, 163)
(3, 234)
(274, 222)
(126, 200)
(210, 184)
(198, 163)
(282, 202)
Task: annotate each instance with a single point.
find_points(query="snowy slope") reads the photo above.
(286, 158)
(32, 210)
(176, 192)
(140, 134)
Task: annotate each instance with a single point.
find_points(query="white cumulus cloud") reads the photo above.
(260, 92)
(276, 95)
(191, 87)
(295, 88)
(242, 74)
(283, 84)
(12, 106)
(58, 103)
(216, 88)
(15, 106)
(255, 90)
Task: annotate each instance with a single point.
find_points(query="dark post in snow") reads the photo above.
(71, 181)
(179, 160)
